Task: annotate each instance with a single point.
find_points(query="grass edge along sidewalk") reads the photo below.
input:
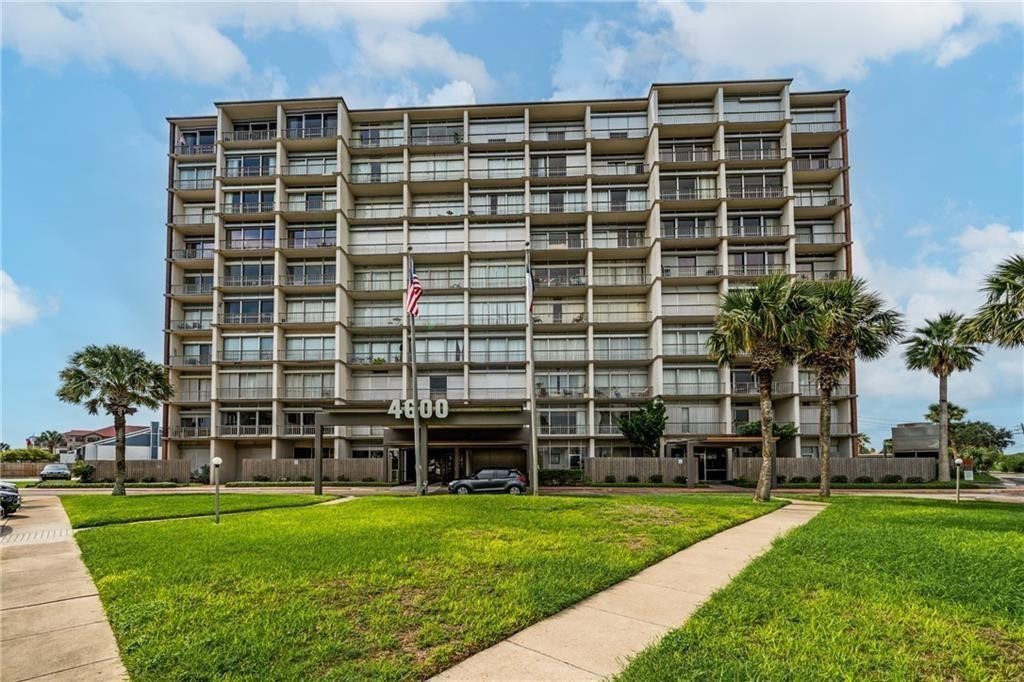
(86, 511)
(873, 588)
(379, 588)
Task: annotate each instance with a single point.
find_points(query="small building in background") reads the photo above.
(919, 439)
(141, 442)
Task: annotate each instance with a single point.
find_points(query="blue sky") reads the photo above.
(936, 111)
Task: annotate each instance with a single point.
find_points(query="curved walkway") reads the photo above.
(595, 638)
(52, 624)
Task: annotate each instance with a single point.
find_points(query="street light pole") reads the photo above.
(216, 461)
(959, 463)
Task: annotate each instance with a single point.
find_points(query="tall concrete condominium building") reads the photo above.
(292, 226)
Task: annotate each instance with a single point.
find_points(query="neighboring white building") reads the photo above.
(142, 444)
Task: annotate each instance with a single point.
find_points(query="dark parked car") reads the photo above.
(509, 481)
(58, 471)
(10, 500)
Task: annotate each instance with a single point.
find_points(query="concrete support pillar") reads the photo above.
(691, 465)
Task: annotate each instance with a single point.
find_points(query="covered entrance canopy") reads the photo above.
(709, 458)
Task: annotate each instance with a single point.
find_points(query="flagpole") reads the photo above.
(534, 455)
(421, 480)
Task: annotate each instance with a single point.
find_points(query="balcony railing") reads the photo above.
(311, 132)
(311, 168)
(611, 279)
(673, 118)
(309, 392)
(440, 356)
(567, 171)
(496, 173)
(192, 218)
(248, 135)
(377, 320)
(438, 210)
(567, 355)
(568, 135)
(560, 391)
(189, 360)
(699, 232)
(686, 349)
(375, 358)
(435, 174)
(505, 393)
(497, 281)
(754, 192)
(438, 247)
(309, 317)
(616, 169)
(247, 244)
(820, 237)
(245, 430)
(244, 393)
(495, 244)
(311, 242)
(371, 394)
(563, 429)
(619, 133)
(812, 429)
(307, 354)
(497, 318)
(817, 164)
(190, 325)
(563, 317)
(693, 388)
(372, 212)
(620, 205)
(764, 154)
(613, 354)
(609, 317)
(248, 171)
(204, 183)
(437, 280)
(364, 249)
(380, 138)
(697, 427)
(623, 392)
(822, 275)
(307, 205)
(753, 116)
(542, 241)
(233, 208)
(753, 388)
(690, 310)
(375, 177)
(192, 289)
(743, 231)
(246, 355)
(511, 208)
(310, 279)
(194, 149)
(243, 281)
(620, 240)
(495, 138)
(190, 432)
(811, 390)
(816, 127)
(196, 253)
(690, 194)
(668, 154)
(247, 318)
(757, 270)
(193, 396)
(691, 270)
(394, 282)
(561, 279)
(818, 200)
(564, 206)
(435, 139)
(497, 356)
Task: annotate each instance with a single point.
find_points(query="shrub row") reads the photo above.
(285, 483)
(108, 483)
(653, 478)
(27, 455)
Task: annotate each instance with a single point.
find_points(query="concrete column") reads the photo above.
(691, 465)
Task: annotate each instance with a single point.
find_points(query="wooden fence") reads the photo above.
(139, 469)
(21, 469)
(334, 469)
(851, 467)
(597, 469)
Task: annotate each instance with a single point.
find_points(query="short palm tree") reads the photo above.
(51, 440)
(1000, 320)
(940, 347)
(119, 381)
(768, 323)
(847, 322)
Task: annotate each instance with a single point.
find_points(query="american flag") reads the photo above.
(412, 296)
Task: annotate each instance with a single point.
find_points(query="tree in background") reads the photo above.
(766, 322)
(119, 381)
(971, 434)
(1000, 319)
(863, 443)
(940, 347)
(5, 446)
(847, 321)
(645, 426)
(955, 412)
(51, 440)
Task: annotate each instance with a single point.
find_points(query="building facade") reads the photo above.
(291, 224)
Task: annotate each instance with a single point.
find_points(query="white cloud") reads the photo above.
(20, 306)
(454, 92)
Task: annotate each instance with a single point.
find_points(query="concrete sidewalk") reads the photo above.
(595, 638)
(52, 625)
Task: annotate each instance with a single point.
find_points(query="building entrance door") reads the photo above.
(441, 465)
(712, 464)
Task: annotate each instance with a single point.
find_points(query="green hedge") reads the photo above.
(296, 484)
(28, 455)
(79, 484)
(560, 476)
(1010, 463)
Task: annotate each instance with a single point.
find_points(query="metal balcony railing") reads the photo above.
(506, 393)
(245, 430)
(622, 354)
(496, 244)
(440, 357)
(204, 183)
(309, 205)
(306, 354)
(753, 116)
(495, 138)
(311, 242)
(820, 237)
(194, 149)
(311, 132)
(189, 360)
(685, 349)
(562, 317)
(693, 388)
(375, 358)
(437, 210)
(669, 154)
(243, 281)
(377, 139)
(436, 174)
(372, 394)
(691, 194)
(621, 240)
(697, 232)
(612, 279)
(620, 205)
(246, 355)
(248, 135)
(497, 281)
(364, 249)
(543, 204)
(811, 390)
(753, 388)
(437, 280)
(190, 432)
(192, 289)
(691, 270)
(247, 318)
(619, 133)
(543, 278)
(485, 209)
(248, 171)
(673, 118)
(193, 396)
(190, 325)
(812, 429)
(497, 318)
(814, 164)
(603, 316)
(392, 283)
(623, 392)
(495, 356)
(309, 317)
(310, 279)
(247, 244)
(496, 173)
(311, 168)
(434, 139)
(309, 392)
(377, 212)
(560, 391)
(818, 200)
(742, 231)
(816, 127)
(689, 427)
(244, 393)
(196, 253)
(618, 169)
(568, 135)
(192, 218)
(542, 241)
(689, 310)
(757, 270)
(567, 355)
(377, 320)
(822, 275)
(237, 208)
(754, 192)
(557, 171)
(563, 429)
(376, 177)
(437, 247)
(763, 154)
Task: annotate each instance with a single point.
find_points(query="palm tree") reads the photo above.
(118, 380)
(1000, 319)
(766, 322)
(51, 440)
(940, 347)
(847, 322)
(4, 447)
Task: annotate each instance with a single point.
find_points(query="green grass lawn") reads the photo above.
(101, 510)
(377, 588)
(871, 589)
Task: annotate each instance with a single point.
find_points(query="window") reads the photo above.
(753, 185)
(439, 349)
(249, 165)
(312, 164)
(235, 385)
(752, 147)
(686, 341)
(562, 421)
(625, 383)
(314, 124)
(689, 187)
(309, 310)
(436, 133)
(312, 236)
(618, 125)
(692, 381)
(562, 455)
(249, 237)
(683, 151)
(249, 201)
(249, 273)
(497, 349)
(376, 351)
(248, 310)
(560, 384)
(311, 272)
(239, 422)
(621, 348)
(309, 348)
(688, 225)
(309, 384)
(497, 311)
(755, 224)
(247, 348)
(560, 311)
(195, 177)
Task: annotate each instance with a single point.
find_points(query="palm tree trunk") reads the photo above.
(119, 464)
(825, 438)
(943, 428)
(765, 478)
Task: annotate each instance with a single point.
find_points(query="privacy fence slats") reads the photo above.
(877, 468)
(138, 469)
(597, 469)
(292, 469)
(21, 469)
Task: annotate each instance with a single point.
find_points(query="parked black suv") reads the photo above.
(509, 481)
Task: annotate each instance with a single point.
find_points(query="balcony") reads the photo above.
(303, 242)
(693, 388)
(497, 319)
(496, 173)
(563, 429)
(311, 168)
(497, 281)
(496, 138)
(566, 355)
(754, 116)
(484, 209)
(189, 360)
(561, 317)
(621, 317)
(439, 210)
(670, 154)
(764, 154)
(624, 392)
(496, 245)
(816, 127)
(497, 357)
(619, 169)
(542, 278)
(204, 252)
(248, 135)
(754, 192)
(394, 282)
(244, 393)
(372, 394)
(822, 275)
(557, 207)
(307, 355)
(811, 390)
(243, 208)
(248, 244)
(569, 134)
(440, 357)
(310, 279)
(309, 205)
(394, 248)
(696, 232)
(377, 138)
(370, 320)
(620, 205)
(198, 395)
(620, 240)
(693, 194)
(691, 271)
(376, 177)
(189, 432)
(694, 118)
(817, 164)
(190, 325)
(192, 218)
(377, 212)
(631, 133)
(194, 149)
(192, 289)
(837, 429)
(545, 241)
(818, 200)
(309, 317)
(630, 279)
(385, 358)
(548, 172)
(262, 171)
(820, 238)
(308, 392)
(758, 231)
(245, 430)
(247, 318)
(753, 388)
(308, 430)
(193, 185)
(436, 280)
(310, 133)
(436, 174)
(757, 270)
(242, 281)
(560, 391)
(622, 354)
(435, 139)
(690, 310)
(692, 350)
(246, 355)
(688, 427)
